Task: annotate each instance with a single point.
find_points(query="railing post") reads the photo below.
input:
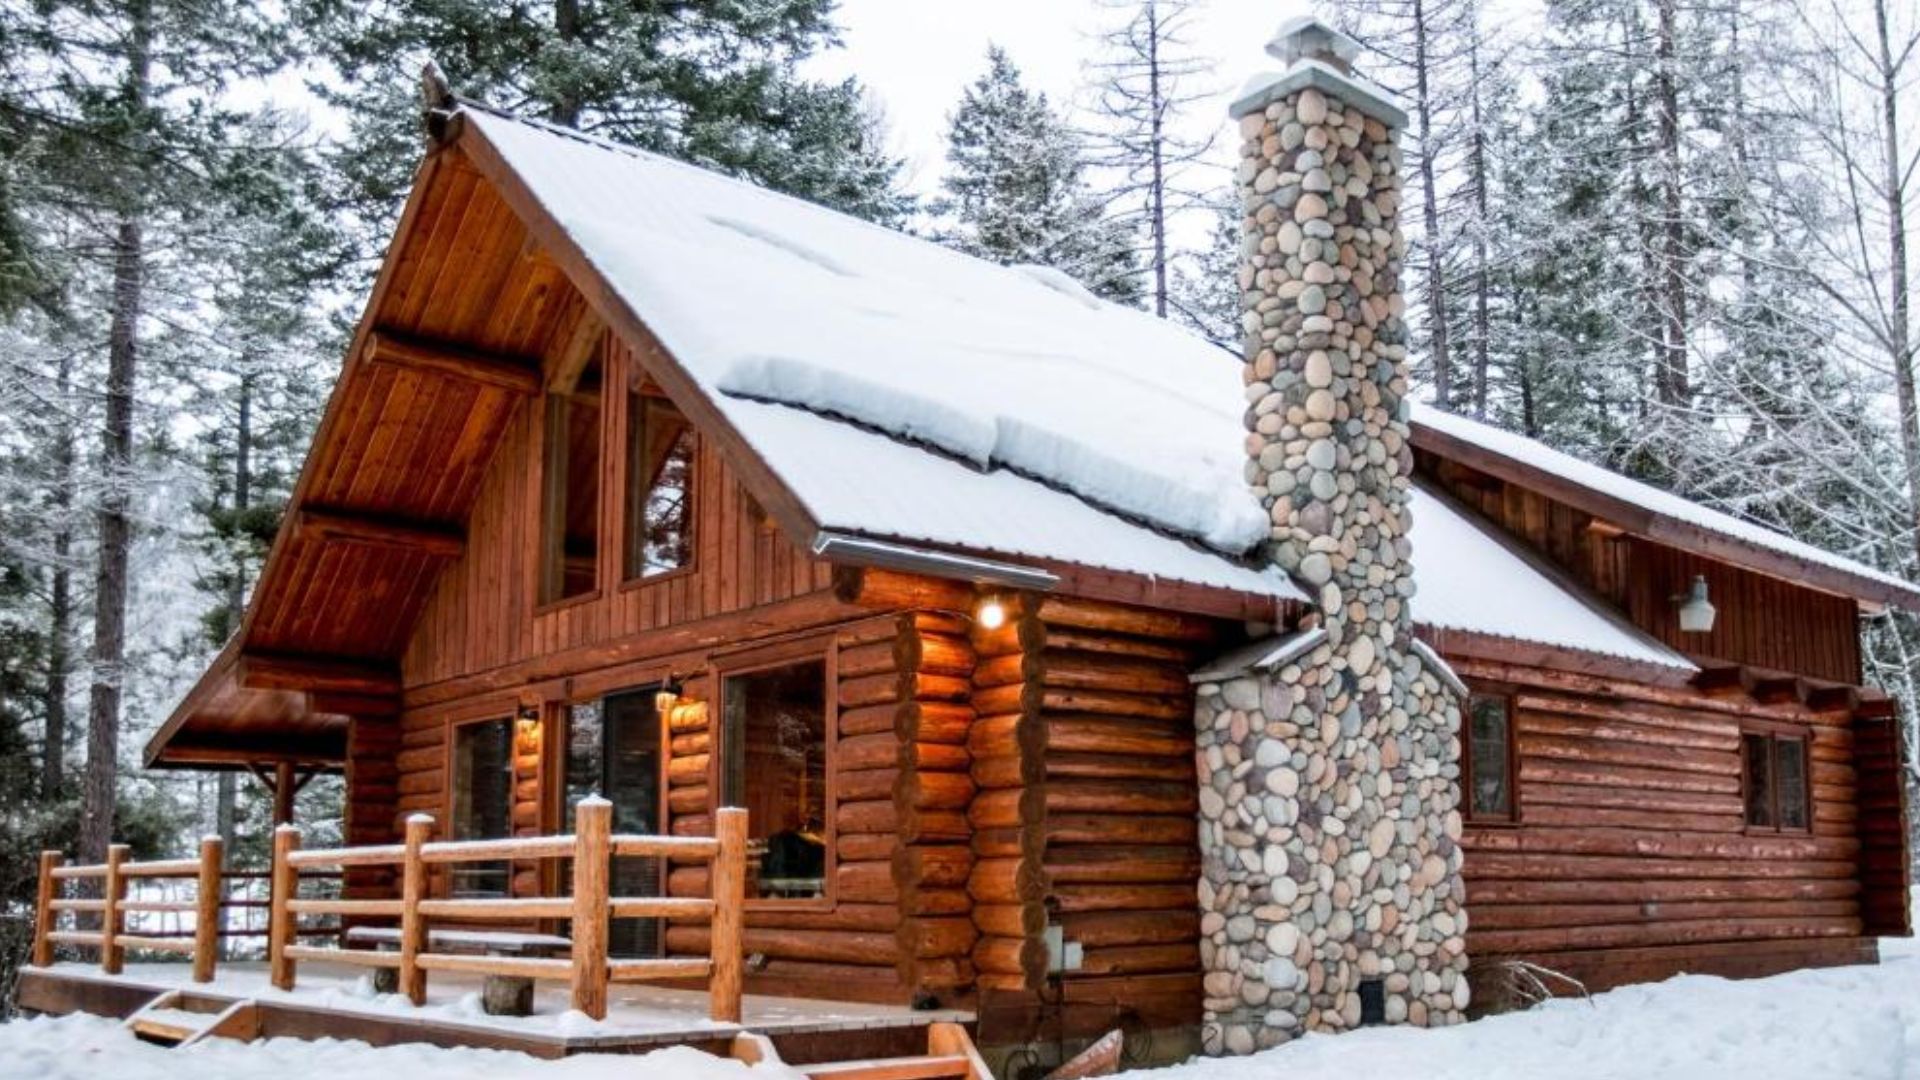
(413, 927)
(592, 848)
(729, 878)
(114, 890)
(206, 914)
(43, 913)
(286, 884)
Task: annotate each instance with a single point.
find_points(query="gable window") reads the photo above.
(659, 496)
(1487, 771)
(570, 503)
(1777, 792)
(482, 797)
(774, 733)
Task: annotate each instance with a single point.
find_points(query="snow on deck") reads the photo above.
(1857, 1022)
(635, 1012)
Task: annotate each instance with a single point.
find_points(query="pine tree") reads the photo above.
(1016, 192)
(717, 84)
(1206, 287)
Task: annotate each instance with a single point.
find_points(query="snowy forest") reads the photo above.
(1671, 236)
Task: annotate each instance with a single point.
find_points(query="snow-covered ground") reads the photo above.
(1809, 1025)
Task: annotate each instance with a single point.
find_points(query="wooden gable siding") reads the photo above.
(461, 272)
(1763, 621)
(1630, 858)
(482, 613)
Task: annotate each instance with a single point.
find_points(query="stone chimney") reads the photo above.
(1330, 777)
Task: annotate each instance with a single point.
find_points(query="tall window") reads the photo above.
(659, 498)
(774, 733)
(1489, 758)
(482, 801)
(1776, 782)
(570, 511)
(613, 751)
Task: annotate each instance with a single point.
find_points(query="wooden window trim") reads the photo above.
(443, 828)
(1775, 732)
(1512, 817)
(826, 648)
(585, 349)
(692, 565)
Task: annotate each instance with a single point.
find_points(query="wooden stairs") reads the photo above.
(180, 1018)
(950, 1056)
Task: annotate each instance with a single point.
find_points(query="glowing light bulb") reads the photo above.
(992, 614)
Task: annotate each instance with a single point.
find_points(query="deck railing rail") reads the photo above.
(587, 969)
(111, 906)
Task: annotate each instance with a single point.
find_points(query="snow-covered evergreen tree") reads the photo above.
(1016, 190)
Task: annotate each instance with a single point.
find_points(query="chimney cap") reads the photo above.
(1308, 37)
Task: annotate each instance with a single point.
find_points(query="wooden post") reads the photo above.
(284, 789)
(43, 913)
(112, 957)
(286, 883)
(413, 926)
(206, 914)
(592, 843)
(729, 901)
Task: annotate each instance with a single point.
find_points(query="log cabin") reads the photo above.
(1071, 670)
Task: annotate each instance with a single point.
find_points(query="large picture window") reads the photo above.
(570, 503)
(482, 796)
(775, 743)
(1776, 782)
(659, 497)
(1488, 747)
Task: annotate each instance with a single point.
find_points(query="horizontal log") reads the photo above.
(1079, 671)
(515, 967)
(1097, 929)
(1638, 755)
(931, 937)
(1094, 733)
(1605, 728)
(933, 867)
(1151, 623)
(1129, 767)
(940, 654)
(1066, 639)
(1005, 881)
(830, 946)
(1138, 864)
(1489, 917)
(871, 659)
(1025, 958)
(1010, 920)
(1659, 845)
(1538, 770)
(1489, 865)
(1121, 797)
(935, 790)
(1119, 829)
(865, 847)
(1503, 942)
(1649, 891)
(1139, 959)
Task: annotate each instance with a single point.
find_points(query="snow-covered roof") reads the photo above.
(903, 390)
(1466, 578)
(1653, 500)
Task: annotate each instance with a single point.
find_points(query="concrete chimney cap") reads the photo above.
(1308, 37)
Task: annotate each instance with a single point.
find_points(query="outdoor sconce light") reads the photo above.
(1696, 611)
(991, 614)
(668, 695)
(528, 719)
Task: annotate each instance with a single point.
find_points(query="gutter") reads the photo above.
(861, 551)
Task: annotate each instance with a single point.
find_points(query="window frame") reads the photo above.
(1775, 734)
(823, 648)
(557, 391)
(450, 759)
(1468, 814)
(624, 439)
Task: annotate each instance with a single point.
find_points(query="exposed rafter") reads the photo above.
(512, 374)
(324, 525)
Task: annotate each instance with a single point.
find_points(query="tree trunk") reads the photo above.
(1671, 386)
(226, 805)
(1158, 193)
(53, 763)
(1437, 329)
(1477, 163)
(1899, 325)
(566, 27)
(110, 581)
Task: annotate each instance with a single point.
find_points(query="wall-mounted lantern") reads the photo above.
(1696, 611)
(667, 697)
(991, 614)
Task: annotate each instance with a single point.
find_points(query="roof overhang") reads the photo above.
(1673, 532)
(246, 711)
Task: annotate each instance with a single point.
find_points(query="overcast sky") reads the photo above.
(917, 57)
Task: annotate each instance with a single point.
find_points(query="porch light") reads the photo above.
(991, 614)
(667, 696)
(529, 719)
(1696, 611)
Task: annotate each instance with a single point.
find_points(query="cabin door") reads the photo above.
(614, 750)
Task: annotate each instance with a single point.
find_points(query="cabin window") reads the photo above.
(570, 526)
(775, 745)
(659, 497)
(1776, 782)
(613, 752)
(482, 802)
(1488, 747)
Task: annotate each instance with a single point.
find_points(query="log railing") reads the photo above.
(587, 970)
(111, 906)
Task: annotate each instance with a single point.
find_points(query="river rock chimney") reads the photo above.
(1329, 757)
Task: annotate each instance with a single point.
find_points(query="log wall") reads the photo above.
(1630, 858)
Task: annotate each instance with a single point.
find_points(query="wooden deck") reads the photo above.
(337, 1001)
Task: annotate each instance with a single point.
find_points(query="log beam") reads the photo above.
(269, 671)
(453, 361)
(322, 525)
